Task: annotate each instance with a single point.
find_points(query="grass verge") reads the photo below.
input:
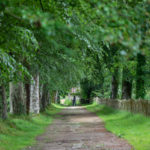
(20, 131)
(133, 127)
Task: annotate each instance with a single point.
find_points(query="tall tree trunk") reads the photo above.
(35, 95)
(48, 99)
(114, 85)
(27, 87)
(126, 90)
(56, 97)
(126, 85)
(102, 87)
(41, 90)
(53, 96)
(4, 102)
(45, 100)
(17, 98)
(140, 89)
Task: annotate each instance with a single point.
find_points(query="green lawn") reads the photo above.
(133, 127)
(19, 132)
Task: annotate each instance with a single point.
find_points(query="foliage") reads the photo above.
(70, 42)
(65, 45)
(68, 102)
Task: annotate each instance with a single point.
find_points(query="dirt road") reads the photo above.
(77, 129)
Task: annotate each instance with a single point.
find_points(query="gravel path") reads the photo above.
(77, 129)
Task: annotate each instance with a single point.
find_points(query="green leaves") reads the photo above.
(68, 40)
(10, 69)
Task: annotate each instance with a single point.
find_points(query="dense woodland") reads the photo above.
(49, 46)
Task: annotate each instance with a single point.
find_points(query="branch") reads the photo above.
(41, 5)
(24, 22)
(20, 20)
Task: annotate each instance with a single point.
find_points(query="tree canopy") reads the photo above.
(102, 45)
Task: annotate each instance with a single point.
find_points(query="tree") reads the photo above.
(53, 45)
(140, 81)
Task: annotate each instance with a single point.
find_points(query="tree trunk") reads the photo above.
(35, 95)
(126, 90)
(17, 98)
(126, 84)
(102, 87)
(45, 98)
(56, 97)
(48, 99)
(27, 87)
(53, 96)
(140, 89)
(114, 87)
(45, 101)
(4, 102)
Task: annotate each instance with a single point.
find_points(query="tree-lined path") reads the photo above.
(77, 129)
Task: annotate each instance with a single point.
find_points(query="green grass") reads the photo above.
(19, 132)
(68, 102)
(133, 127)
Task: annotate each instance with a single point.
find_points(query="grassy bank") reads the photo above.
(133, 127)
(19, 132)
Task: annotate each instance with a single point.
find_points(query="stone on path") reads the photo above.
(77, 129)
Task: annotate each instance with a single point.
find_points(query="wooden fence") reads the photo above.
(135, 106)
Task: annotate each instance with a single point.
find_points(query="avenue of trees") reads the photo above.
(49, 46)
